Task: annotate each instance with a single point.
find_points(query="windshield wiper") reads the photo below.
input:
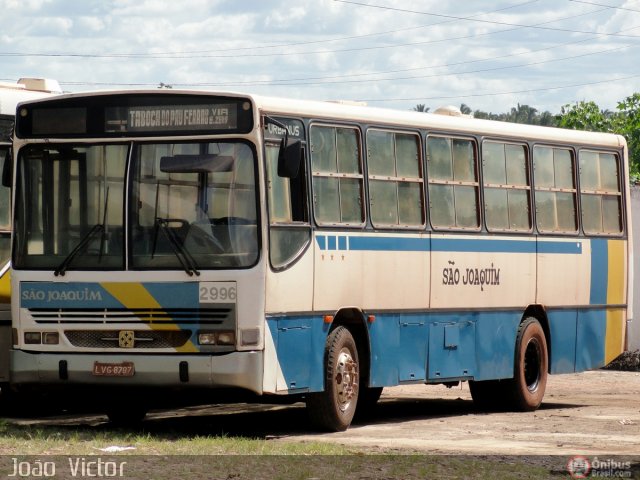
(85, 240)
(62, 268)
(184, 257)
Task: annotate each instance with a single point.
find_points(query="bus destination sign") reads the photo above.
(222, 116)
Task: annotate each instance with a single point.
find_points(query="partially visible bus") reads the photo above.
(10, 95)
(186, 241)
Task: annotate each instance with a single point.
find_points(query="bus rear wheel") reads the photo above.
(531, 367)
(334, 408)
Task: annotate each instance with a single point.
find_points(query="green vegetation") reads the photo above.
(16, 439)
(583, 115)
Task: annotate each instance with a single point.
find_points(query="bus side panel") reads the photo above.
(616, 295)
(590, 342)
(495, 344)
(563, 268)
(398, 349)
(299, 344)
(563, 325)
(451, 346)
(608, 289)
(371, 272)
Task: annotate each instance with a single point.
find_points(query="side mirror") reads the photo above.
(289, 159)
(7, 170)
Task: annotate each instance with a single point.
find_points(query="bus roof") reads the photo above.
(25, 89)
(406, 119)
(433, 121)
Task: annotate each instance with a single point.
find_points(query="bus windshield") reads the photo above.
(190, 206)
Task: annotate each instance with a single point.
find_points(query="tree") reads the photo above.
(421, 107)
(625, 121)
(465, 109)
(585, 116)
(629, 120)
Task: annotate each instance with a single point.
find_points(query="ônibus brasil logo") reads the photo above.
(579, 467)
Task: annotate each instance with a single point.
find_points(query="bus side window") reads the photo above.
(600, 194)
(453, 183)
(288, 210)
(395, 179)
(337, 175)
(507, 189)
(555, 192)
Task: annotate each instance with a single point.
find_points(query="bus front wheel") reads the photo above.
(334, 408)
(531, 366)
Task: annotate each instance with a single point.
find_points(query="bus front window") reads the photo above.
(69, 207)
(193, 206)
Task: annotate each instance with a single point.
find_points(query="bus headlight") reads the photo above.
(226, 338)
(41, 338)
(32, 338)
(50, 338)
(216, 338)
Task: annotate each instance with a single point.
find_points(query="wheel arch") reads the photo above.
(354, 320)
(538, 312)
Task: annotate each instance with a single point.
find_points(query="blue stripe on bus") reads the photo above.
(389, 244)
(426, 244)
(599, 271)
(483, 246)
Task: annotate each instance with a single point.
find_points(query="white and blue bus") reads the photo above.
(10, 95)
(185, 242)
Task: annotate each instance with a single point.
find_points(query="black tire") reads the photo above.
(523, 392)
(334, 408)
(531, 367)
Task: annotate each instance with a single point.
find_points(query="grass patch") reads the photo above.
(84, 440)
(166, 454)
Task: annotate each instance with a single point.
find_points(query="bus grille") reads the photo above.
(141, 338)
(115, 316)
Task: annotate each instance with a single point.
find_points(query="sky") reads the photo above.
(488, 55)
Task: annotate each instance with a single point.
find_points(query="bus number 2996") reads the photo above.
(217, 292)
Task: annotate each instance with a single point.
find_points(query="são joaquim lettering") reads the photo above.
(77, 295)
(481, 277)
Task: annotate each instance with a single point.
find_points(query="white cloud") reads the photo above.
(450, 58)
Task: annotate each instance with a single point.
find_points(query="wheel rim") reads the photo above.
(532, 356)
(346, 379)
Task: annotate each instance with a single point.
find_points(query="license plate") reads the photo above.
(124, 369)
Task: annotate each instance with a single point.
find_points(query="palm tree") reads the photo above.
(421, 107)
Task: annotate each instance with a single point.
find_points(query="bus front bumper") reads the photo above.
(232, 370)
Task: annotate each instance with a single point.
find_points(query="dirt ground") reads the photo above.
(590, 413)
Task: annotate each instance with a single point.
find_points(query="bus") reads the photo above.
(10, 95)
(200, 243)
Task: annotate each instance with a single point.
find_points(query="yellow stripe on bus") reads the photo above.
(134, 295)
(5, 287)
(616, 318)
